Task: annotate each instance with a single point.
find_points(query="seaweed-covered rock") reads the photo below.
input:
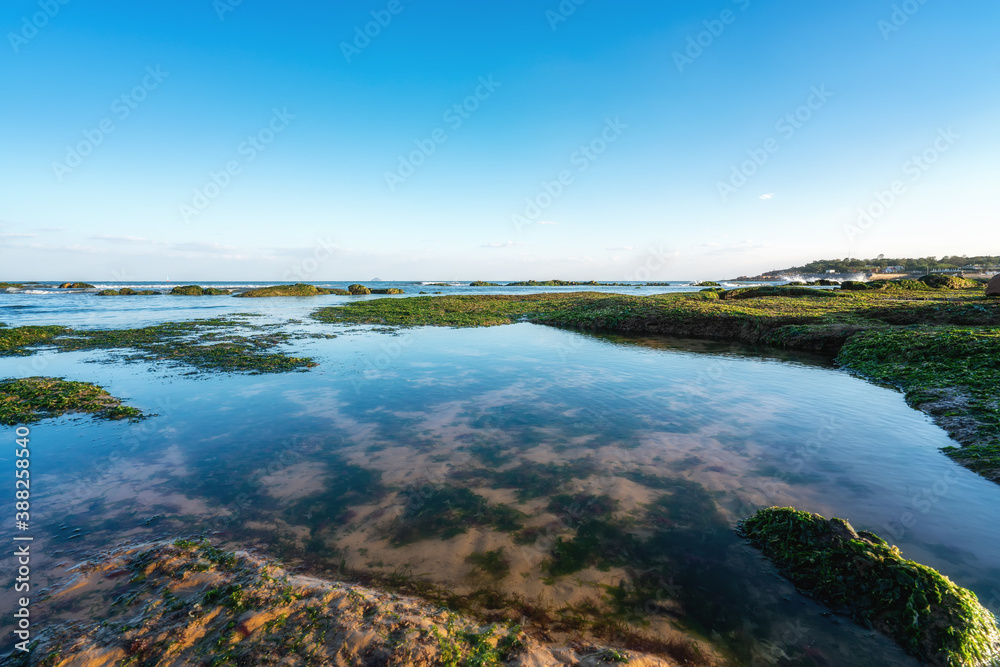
(358, 289)
(993, 288)
(76, 286)
(482, 283)
(854, 285)
(127, 291)
(707, 283)
(390, 290)
(298, 289)
(786, 291)
(198, 290)
(859, 574)
(939, 281)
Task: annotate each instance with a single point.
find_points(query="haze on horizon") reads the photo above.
(223, 140)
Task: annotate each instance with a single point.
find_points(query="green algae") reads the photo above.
(442, 512)
(19, 340)
(861, 575)
(493, 564)
(28, 400)
(213, 345)
(528, 479)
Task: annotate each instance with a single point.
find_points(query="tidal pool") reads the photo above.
(585, 485)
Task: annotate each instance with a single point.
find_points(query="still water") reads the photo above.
(577, 481)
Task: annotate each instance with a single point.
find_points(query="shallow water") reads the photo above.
(652, 447)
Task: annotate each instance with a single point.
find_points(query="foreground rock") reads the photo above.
(188, 603)
(993, 288)
(298, 289)
(859, 574)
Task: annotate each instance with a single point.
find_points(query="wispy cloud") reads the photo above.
(507, 244)
(119, 239)
(626, 248)
(17, 236)
(769, 195)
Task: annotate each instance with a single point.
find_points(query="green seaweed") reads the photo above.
(205, 344)
(28, 400)
(16, 341)
(861, 575)
(298, 289)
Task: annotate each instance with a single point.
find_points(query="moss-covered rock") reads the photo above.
(785, 291)
(859, 574)
(390, 290)
(482, 283)
(127, 291)
(11, 285)
(940, 281)
(707, 283)
(358, 289)
(298, 289)
(76, 286)
(198, 290)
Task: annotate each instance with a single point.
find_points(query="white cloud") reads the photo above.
(118, 239)
(508, 244)
(17, 236)
(769, 195)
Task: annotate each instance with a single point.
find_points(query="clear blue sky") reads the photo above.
(330, 123)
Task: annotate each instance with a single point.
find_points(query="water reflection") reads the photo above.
(585, 484)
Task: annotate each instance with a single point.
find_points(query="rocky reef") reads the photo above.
(76, 286)
(187, 602)
(862, 576)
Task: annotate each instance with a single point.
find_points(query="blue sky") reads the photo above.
(693, 140)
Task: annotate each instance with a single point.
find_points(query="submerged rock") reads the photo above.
(993, 288)
(188, 603)
(859, 574)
